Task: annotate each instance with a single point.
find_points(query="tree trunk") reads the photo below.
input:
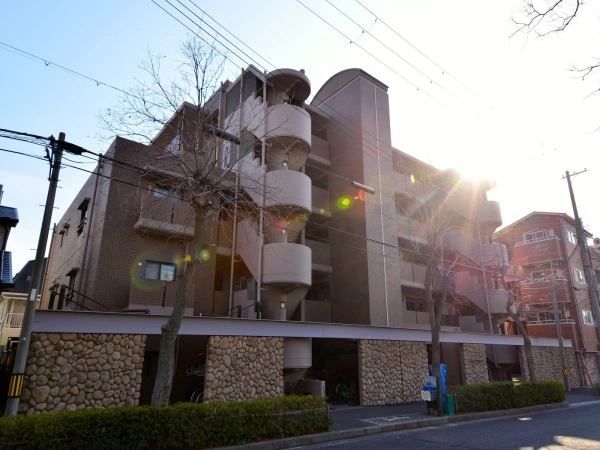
(515, 317)
(435, 325)
(170, 330)
(526, 343)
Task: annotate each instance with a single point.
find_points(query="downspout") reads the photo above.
(87, 236)
(387, 316)
(487, 297)
(237, 182)
(261, 238)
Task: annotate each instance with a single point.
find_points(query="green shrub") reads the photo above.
(506, 395)
(184, 425)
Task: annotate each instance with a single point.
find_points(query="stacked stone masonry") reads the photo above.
(548, 366)
(67, 372)
(391, 372)
(592, 367)
(474, 361)
(243, 368)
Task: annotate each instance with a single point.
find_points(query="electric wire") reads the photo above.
(444, 71)
(376, 58)
(431, 80)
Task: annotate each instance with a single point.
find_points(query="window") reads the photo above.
(579, 276)
(571, 237)
(543, 316)
(175, 145)
(535, 236)
(159, 271)
(538, 275)
(232, 99)
(416, 304)
(162, 192)
(228, 155)
(587, 317)
(83, 217)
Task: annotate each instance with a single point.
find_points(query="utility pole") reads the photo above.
(585, 258)
(561, 347)
(16, 380)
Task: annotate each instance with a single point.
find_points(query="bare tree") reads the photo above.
(547, 17)
(196, 164)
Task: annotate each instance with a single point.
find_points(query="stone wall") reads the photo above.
(592, 367)
(243, 368)
(391, 372)
(66, 372)
(474, 364)
(548, 367)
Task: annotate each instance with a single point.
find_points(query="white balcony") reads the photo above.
(288, 135)
(288, 188)
(287, 264)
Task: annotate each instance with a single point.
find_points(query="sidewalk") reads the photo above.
(356, 421)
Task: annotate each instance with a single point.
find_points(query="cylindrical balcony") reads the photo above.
(286, 264)
(488, 212)
(293, 85)
(288, 135)
(288, 188)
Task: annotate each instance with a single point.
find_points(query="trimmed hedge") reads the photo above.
(183, 425)
(506, 395)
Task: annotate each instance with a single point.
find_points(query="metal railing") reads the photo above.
(550, 321)
(529, 241)
(13, 320)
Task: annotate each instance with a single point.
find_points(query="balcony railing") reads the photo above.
(14, 320)
(550, 321)
(529, 241)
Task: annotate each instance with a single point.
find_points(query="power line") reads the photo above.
(444, 71)
(431, 80)
(375, 57)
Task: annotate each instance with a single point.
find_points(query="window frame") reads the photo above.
(536, 235)
(579, 275)
(159, 272)
(587, 317)
(571, 237)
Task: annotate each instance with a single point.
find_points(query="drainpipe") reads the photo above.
(387, 316)
(262, 202)
(237, 182)
(487, 297)
(80, 285)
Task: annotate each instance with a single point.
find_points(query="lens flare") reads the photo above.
(412, 178)
(344, 203)
(204, 254)
(136, 273)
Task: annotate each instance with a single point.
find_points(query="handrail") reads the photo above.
(71, 291)
(545, 238)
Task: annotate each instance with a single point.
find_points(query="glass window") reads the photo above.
(535, 236)
(159, 271)
(571, 237)
(175, 145)
(416, 304)
(579, 276)
(587, 317)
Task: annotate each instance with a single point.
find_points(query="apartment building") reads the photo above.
(544, 256)
(327, 262)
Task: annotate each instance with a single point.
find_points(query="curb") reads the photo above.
(312, 439)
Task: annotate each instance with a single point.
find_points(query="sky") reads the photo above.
(516, 114)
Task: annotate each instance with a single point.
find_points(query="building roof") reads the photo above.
(9, 215)
(564, 216)
(6, 280)
(22, 279)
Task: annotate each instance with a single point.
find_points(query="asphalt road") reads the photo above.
(573, 428)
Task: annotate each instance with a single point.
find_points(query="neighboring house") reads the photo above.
(22, 279)
(543, 252)
(341, 280)
(8, 219)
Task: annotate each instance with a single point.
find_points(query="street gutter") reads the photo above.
(313, 439)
